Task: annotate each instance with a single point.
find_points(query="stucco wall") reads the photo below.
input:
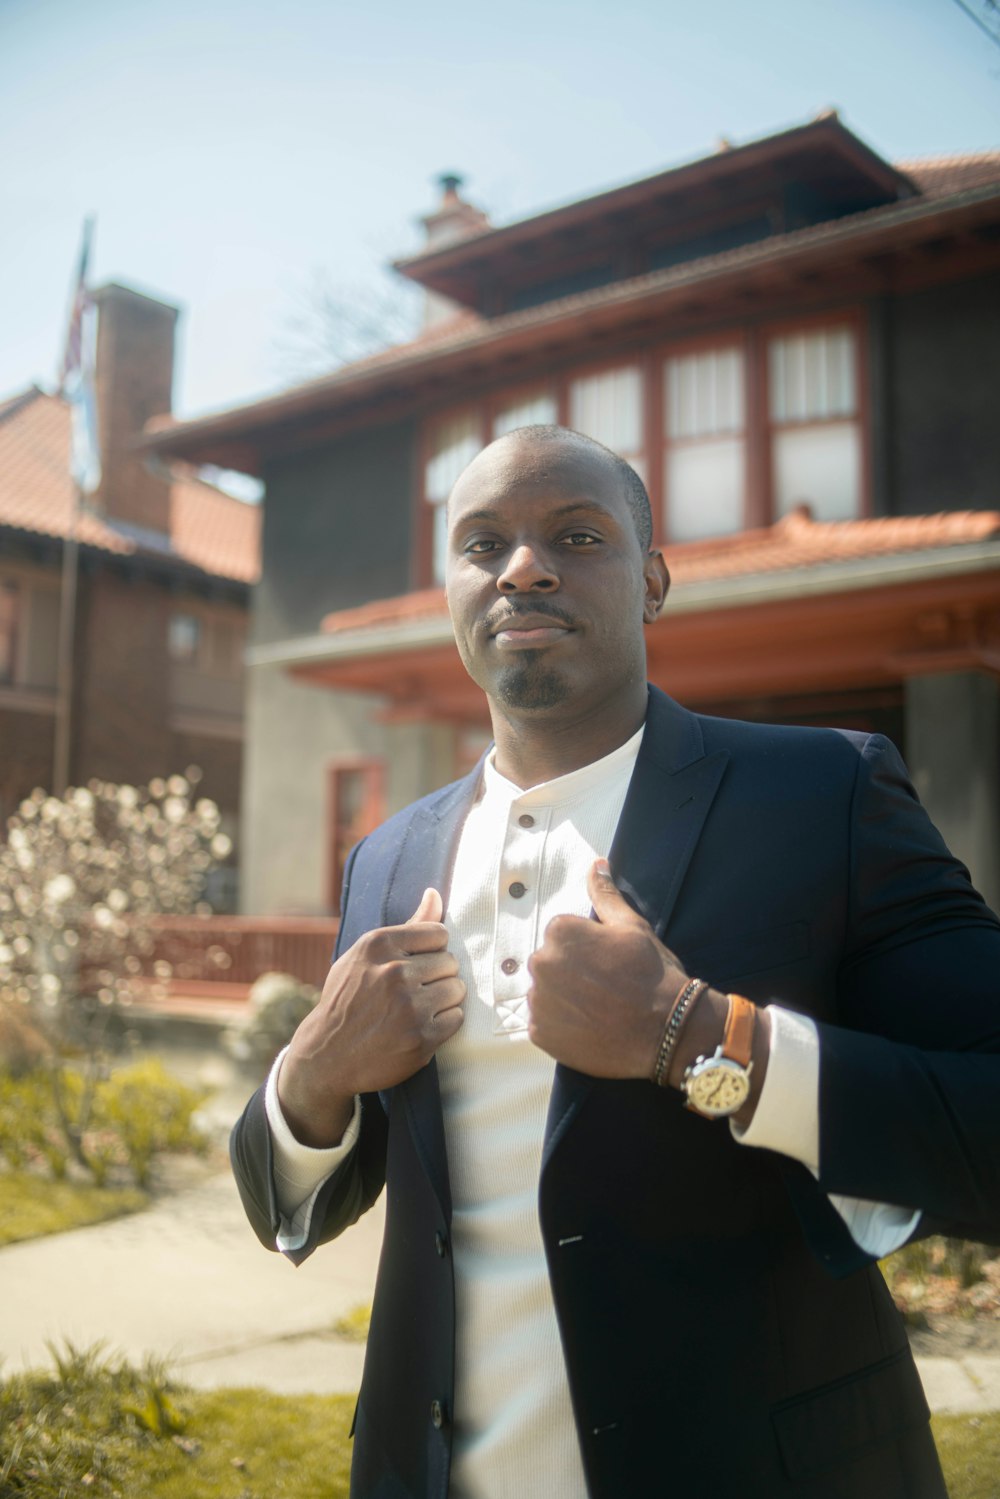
(293, 732)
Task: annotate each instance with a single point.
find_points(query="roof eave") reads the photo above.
(843, 576)
(235, 438)
(427, 266)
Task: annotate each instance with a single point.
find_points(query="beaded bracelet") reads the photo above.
(683, 1005)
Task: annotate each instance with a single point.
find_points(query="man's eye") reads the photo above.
(580, 539)
(480, 546)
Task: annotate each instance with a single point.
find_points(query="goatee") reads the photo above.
(527, 683)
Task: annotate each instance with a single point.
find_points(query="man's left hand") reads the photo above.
(602, 990)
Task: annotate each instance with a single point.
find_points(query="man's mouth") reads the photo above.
(529, 629)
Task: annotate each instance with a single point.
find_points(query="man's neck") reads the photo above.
(530, 750)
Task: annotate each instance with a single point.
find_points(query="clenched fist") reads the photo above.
(387, 1005)
(602, 990)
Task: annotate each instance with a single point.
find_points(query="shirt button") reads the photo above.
(510, 965)
(526, 820)
(516, 889)
(438, 1415)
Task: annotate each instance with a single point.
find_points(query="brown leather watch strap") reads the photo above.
(737, 1042)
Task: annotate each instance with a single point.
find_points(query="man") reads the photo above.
(587, 1287)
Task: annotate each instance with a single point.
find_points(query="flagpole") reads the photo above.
(75, 384)
(67, 649)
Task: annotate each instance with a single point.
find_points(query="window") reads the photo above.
(536, 410)
(704, 473)
(226, 637)
(184, 639)
(608, 407)
(454, 444)
(747, 426)
(9, 598)
(815, 430)
(29, 632)
(210, 643)
(356, 806)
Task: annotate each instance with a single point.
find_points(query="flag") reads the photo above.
(76, 379)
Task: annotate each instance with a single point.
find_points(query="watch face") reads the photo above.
(717, 1087)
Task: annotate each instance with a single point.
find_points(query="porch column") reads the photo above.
(953, 751)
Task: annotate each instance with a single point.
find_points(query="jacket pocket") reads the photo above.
(838, 1421)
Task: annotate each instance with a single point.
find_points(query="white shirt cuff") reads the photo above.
(300, 1170)
(787, 1114)
(787, 1119)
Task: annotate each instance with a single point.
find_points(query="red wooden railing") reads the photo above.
(205, 960)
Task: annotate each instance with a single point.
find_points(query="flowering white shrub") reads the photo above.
(278, 1003)
(80, 877)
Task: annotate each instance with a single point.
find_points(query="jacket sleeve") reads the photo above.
(346, 1194)
(910, 1074)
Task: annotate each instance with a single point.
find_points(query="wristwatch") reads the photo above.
(718, 1086)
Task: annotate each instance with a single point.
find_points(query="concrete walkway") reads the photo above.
(188, 1281)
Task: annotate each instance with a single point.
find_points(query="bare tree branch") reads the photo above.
(988, 5)
(331, 324)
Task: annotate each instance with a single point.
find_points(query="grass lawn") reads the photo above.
(255, 1445)
(970, 1454)
(101, 1426)
(33, 1205)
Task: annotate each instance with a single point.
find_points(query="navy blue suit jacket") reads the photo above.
(715, 1313)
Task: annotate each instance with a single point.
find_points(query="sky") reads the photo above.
(234, 150)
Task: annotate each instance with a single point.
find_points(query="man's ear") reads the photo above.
(657, 585)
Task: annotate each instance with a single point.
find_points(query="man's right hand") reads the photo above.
(387, 1005)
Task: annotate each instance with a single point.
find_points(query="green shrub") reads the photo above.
(147, 1113)
(133, 1116)
(278, 1002)
(80, 1428)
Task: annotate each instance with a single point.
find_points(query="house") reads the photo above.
(796, 341)
(166, 566)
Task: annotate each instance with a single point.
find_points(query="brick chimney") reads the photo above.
(135, 375)
(454, 219)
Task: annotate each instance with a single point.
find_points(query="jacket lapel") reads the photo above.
(425, 858)
(669, 797)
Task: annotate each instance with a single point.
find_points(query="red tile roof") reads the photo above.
(208, 529)
(939, 176)
(956, 191)
(797, 541)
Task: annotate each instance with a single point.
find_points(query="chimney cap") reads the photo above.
(450, 183)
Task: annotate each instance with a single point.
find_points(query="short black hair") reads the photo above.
(634, 489)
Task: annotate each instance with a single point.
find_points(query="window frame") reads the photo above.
(374, 771)
(209, 658)
(14, 634)
(854, 321)
(426, 507)
(650, 358)
(681, 349)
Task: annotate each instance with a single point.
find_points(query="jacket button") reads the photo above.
(440, 1244)
(438, 1414)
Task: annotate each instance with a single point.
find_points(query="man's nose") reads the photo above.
(528, 568)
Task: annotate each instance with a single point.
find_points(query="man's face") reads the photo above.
(547, 583)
